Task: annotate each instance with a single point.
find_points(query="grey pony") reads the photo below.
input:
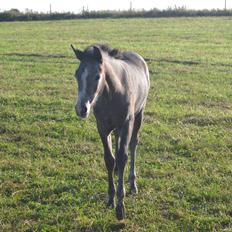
(116, 85)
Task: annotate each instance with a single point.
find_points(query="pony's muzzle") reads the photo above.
(82, 111)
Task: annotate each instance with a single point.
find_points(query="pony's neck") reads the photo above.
(113, 70)
(111, 84)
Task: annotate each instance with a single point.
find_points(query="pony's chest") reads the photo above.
(111, 115)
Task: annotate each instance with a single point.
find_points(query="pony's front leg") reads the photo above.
(110, 163)
(121, 159)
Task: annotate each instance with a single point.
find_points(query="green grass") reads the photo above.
(52, 172)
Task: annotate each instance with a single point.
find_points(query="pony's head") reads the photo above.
(89, 76)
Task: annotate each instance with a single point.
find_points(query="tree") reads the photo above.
(14, 11)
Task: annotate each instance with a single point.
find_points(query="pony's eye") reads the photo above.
(97, 77)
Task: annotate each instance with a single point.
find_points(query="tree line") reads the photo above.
(16, 15)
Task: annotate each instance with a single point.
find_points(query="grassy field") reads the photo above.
(52, 172)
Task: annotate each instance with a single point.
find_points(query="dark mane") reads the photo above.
(113, 52)
(117, 54)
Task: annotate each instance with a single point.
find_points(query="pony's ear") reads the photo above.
(79, 54)
(97, 54)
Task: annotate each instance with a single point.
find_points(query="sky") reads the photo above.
(77, 5)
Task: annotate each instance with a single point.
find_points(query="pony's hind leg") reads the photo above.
(133, 145)
(121, 159)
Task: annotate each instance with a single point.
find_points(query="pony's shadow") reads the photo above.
(113, 227)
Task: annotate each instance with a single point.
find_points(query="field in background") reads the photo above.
(52, 173)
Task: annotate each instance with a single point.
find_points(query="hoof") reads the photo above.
(133, 190)
(110, 204)
(120, 212)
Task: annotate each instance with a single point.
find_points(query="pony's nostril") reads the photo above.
(84, 110)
